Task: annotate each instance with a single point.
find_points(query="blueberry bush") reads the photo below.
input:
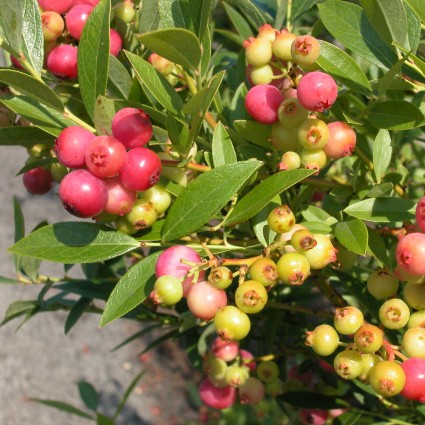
(246, 177)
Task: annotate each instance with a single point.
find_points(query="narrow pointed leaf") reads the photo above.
(383, 209)
(119, 80)
(128, 391)
(418, 7)
(203, 198)
(76, 313)
(65, 407)
(382, 152)
(255, 200)
(222, 148)
(24, 136)
(88, 394)
(177, 45)
(250, 11)
(156, 84)
(353, 235)
(254, 131)
(93, 55)
(133, 288)
(74, 242)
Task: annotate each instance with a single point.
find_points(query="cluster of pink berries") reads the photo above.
(289, 95)
(62, 24)
(113, 177)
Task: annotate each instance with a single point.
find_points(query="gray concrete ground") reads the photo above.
(39, 361)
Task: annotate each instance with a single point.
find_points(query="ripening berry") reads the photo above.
(204, 300)
(76, 19)
(387, 378)
(284, 139)
(215, 397)
(342, 140)
(348, 320)
(231, 324)
(289, 161)
(252, 391)
(37, 180)
(115, 41)
(159, 196)
(52, 25)
(368, 360)
(236, 375)
(83, 194)
(281, 219)
(420, 213)
(317, 91)
(323, 340)
(220, 277)
(167, 290)
(120, 199)
(262, 103)
(414, 295)
(281, 46)
(291, 113)
(410, 253)
(225, 350)
(162, 65)
(251, 296)
(417, 319)
(246, 358)
(303, 240)
(58, 6)
(142, 215)
(305, 50)
(394, 313)
(132, 127)
(313, 134)
(62, 61)
(368, 338)
(264, 270)
(382, 284)
(348, 364)
(413, 342)
(258, 51)
(322, 254)
(313, 159)
(288, 88)
(124, 10)
(414, 388)
(266, 31)
(293, 268)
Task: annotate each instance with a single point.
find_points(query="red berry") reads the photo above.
(58, 6)
(262, 103)
(246, 356)
(141, 170)
(342, 140)
(215, 397)
(225, 350)
(204, 300)
(83, 194)
(120, 199)
(89, 2)
(76, 19)
(410, 253)
(105, 156)
(62, 61)
(132, 126)
(414, 389)
(115, 42)
(37, 181)
(317, 91)
(70, 146)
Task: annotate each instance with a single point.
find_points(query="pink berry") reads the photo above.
(141, 170)
(246, 356)
(37, 181)
(132, 126)
(105, 156)
(120, 199)
(420, 213)
(76, 19)
(58, 6)
(70, 146)
(262, 103)
(414, 388)
(62, 61)
(83, 194)
(342, 140)
(225, 350)
(317, 91)
(169, 264)
(313, 416)
(15, 62)
(89, 2)
(115, 42)
(204, 300)
(410, 253)
(217, 397)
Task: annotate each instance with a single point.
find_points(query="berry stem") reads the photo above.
(191, 165)
(289, 15)
(239, 261)
(300, 309)
(324, 183)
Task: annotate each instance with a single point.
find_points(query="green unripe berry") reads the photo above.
(236, 375)
(368, 338)
(413, 342)
(417, 319)
(274, 387)
(394, 313)
(323, 340)
(348, 364)
(414, 295)
(264, 270)
(348, 320)
(231, 324)
(303, 240)
(291, 114)
(284, 139)
(220, 277)
(268, 371)
(167, 290)
(305, 50)
(387, 378)
(368, 360)
(125, 11)
(142, 215)
(159, 196)
(322, 254)
(281, 45)
(382, 284)
(261, 75)
(313, 159)
(293, 268)
(313, 134)
(281, 219)
(251, 296)
(122, 224)
(289, 161)
(258, 51)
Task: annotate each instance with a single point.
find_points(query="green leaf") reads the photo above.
(254, 131)
(24, 136)
(32, 87)
(264, 192)
(377, 247)
(93, 55)
(347, 418)
(133, 288)
(389, 19)
(201, 11)
(418, 7)
(382, 153)
(65, 407)
(413, 28)
(177, 45)
(386, 81)
(348, 24)
(199, 104)
(137, 335)
(171, 14)
(128, 391)
(93, 289)
(156, 84)
(76, 313)
(203, 198)
(418, 62)
(149, 18)
(311, 400)
(299, 7)
(396, 115)
(343, 68)
(103, 420)
(222, 147)
(353, 235)
(104, 111)
(20, 308)
(9, 281)
(11, 25)
(178, 132)
(119, 79)
(74, 242)
(251, 13)
(48, 119)
(240, 24)
(383, 209)
(259, 223)
(88, 394)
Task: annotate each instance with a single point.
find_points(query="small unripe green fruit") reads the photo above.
(348, 364)
(394, 313)
(323, 340)
(281, 219)
(348, 320)
(387, 378)
(231, 323)
(264, 270)
(293, 268)
(251, 296)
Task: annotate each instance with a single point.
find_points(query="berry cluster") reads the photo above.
(289, 94)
